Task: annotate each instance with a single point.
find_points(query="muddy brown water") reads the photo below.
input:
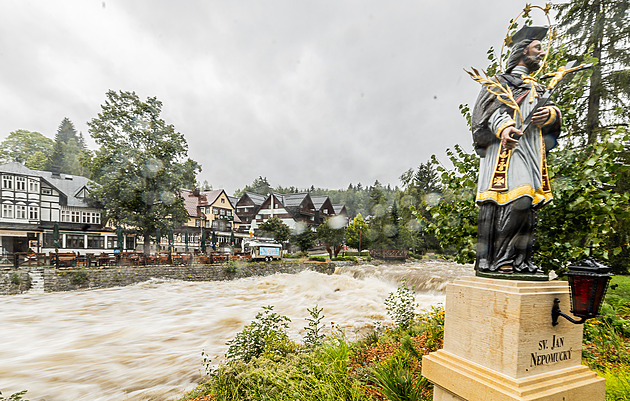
(144, 342)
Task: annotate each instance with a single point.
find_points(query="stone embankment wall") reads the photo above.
(14, 281)
(85, 278)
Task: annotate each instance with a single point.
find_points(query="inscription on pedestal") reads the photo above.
(550, 351)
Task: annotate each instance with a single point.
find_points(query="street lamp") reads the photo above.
(588, 280)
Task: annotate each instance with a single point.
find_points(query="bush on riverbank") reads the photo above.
(269, 365)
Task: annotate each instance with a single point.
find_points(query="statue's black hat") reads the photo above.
(529, 33)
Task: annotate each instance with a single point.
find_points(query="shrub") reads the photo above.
(401, 305)
(266, 334)
(16, 279)
(14, 397)
(320, 375)
(394, 378)
(317, 258)
(78, 277)
(617, 384)
(432, 326)
(345, 258)
(230, 267)
(313, 333)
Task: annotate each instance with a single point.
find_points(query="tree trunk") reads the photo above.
(146, 246)
(594, 95)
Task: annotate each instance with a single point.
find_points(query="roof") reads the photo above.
(205, 198)
(291, 200)
(67, 184)
(339, 209)
(319, 200)
(17, 168)
(190, 202)
(256, 198)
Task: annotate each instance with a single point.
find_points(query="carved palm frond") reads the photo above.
(502, 92)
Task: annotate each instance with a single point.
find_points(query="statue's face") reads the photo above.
(533, 55)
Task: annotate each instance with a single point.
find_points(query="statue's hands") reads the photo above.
(540, 117)
(508, 135)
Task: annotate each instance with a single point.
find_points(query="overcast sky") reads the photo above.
(322, 93)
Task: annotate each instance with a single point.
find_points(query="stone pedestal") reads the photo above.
(499, 344)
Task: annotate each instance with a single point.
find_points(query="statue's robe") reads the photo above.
(512, 185)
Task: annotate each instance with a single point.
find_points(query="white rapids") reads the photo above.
(144, 342)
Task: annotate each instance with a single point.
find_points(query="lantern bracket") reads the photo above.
(555, 312)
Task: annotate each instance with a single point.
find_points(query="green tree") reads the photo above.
(260, 186)
(277, 228)
(27, 147)
(141, 165)
(304, 240)
(381, 227)
(420, 187)
(453, 218)
(332, 236)
(358, 233)
(68, 149)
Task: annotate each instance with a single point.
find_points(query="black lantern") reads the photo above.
(588, 280)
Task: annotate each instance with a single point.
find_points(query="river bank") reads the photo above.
(48, 279)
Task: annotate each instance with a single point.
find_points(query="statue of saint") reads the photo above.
(513, 182)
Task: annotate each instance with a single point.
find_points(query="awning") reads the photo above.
(11, 233)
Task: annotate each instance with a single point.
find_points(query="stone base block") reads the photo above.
(462, 380)
(500, 345)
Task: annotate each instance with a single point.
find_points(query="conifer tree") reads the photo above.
(67, 151)
(600, 29)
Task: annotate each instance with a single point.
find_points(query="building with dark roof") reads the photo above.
(324, 207)
(33, 201)
(247, 207)
(294, 210)
(214, 212)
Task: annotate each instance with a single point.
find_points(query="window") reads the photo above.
(75, 241)
(75, 217)
(96, 218)
(228, 212)
(130, 242)
(96, 242)
(20, 212)
(215, 211)
(20, 183)
(222, 212)
(33, 212)
(222, 200)
(7, 182)
(7, 211)
(85, 217)
(46, 191)
(111, 242)
(197, 223)
(48, 240)
(65, 216)
(33, 186)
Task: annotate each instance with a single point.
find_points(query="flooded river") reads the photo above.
(144, 342)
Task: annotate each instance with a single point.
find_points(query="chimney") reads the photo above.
(56, 171)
